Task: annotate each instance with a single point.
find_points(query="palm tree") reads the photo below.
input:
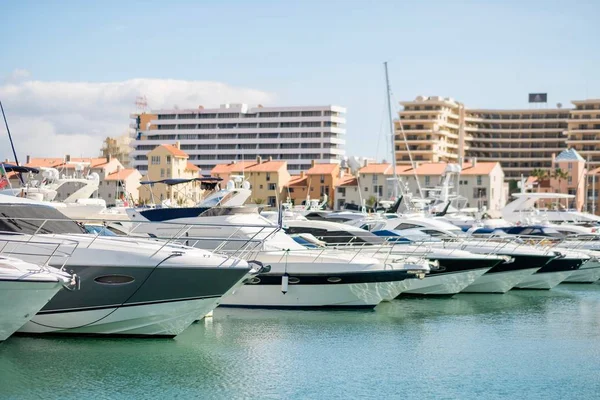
(540, 174)
(560, 174)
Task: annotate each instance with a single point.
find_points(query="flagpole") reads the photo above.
(11, 142)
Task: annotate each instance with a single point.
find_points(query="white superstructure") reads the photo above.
(236, 132)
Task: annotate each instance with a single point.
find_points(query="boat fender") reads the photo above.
(284, 283)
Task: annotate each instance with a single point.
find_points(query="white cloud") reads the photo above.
(57, 118)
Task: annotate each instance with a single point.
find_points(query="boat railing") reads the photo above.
(244, 238)
(382, 249)
(38, 251)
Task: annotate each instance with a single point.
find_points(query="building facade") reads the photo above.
(119, 148)
(237, 132)
(440, 129)
(170, 162)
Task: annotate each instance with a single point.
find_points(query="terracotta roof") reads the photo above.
(120, 175)
(191, 167)
(348, 181)
(322, 169)
(375, 168)
(231, 167)
(59, 162)
(481, 168)
(297, 180)
(174, 150)
(267, 166)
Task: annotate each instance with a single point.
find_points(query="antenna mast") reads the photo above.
(391, 121)
(12, 145)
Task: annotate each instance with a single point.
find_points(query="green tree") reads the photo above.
(371, 201)
(560, 174)
(540, 174)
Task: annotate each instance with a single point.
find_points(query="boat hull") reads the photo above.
(155, 302)
(21, 300)
(551, 274)
(442, 284)
(589, 272)
(499, 282)
(342, 290)
(166, 319)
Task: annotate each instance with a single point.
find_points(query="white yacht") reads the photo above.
(299, 277)
(24, 289)
(79, 204)
(523, 210)
(454, 269)
(129, 287)
(533, 266)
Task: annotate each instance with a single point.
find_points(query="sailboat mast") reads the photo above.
(391, 123)
(11, 142)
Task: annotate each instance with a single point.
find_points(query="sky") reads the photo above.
(70, 71)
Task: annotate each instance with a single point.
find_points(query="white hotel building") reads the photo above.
(236, 132)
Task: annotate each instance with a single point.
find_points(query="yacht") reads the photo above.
(522, 209)
(129, 286)
(24, 289)
(534, 266)
(454, 269)
(299, 277)
(566, 237)
(78, 204)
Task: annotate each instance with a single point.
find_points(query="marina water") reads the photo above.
(524, 344)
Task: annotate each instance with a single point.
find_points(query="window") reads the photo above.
(570, 165)
(162, 172)
(268, 176)
(405, 225)
(261, 186)
(155, 160)
(322, 178)
(570, 180)
(168, 159)
(478, 180)
(374, 179)
(341, 191)
(271, 186)
(427, 180)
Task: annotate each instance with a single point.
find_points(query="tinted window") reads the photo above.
(32, 218)
(404, 225)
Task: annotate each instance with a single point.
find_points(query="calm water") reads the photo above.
(518, 345)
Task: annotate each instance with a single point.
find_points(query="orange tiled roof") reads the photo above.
(375, 168)
(481, 168)
(191, 167)
(120, 175)
(174, 150)
(297, 180)
(267, 166)
(322, 169)
(59, 162)
(348, 181)
(231, 167)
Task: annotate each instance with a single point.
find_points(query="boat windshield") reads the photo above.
(339, 236)
(32, 218)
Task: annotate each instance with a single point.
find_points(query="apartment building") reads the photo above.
(237, 132)
(440, 129)
(571, 181)
(168, 161)
(267, 178)
(319, 180)
(480, 183)
(347, 192)
(584, 130)
(119, 148)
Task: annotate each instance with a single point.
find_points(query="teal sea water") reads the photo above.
(524, 344)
